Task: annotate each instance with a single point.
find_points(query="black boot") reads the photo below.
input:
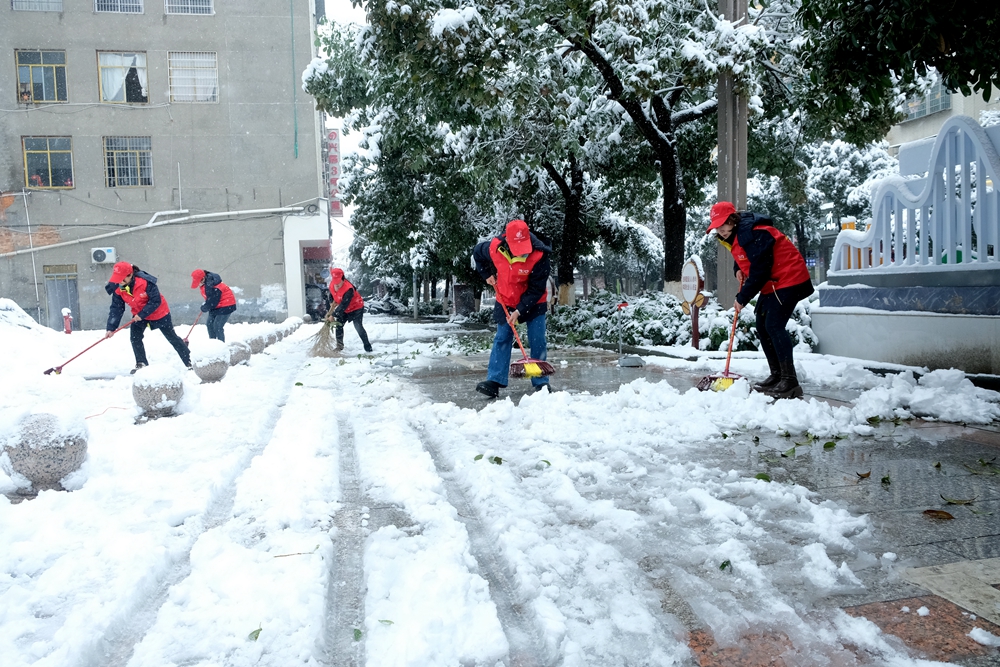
(788, 385)
(489, 387)
(771, 380)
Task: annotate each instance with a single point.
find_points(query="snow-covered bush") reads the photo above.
(656, 318)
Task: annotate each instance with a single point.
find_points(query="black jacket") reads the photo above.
(118, 303)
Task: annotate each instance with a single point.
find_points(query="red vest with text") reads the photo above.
(338, 296)
(512, 277)
(135, 296)
(788, 269)
(227, 298)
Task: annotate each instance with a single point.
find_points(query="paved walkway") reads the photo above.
(951, 579)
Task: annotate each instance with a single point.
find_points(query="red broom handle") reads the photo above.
(514, 329)
(58, 369)
(192, 326)
(732, 335)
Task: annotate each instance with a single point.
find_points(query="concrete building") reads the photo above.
(172, 134)
(925, 115)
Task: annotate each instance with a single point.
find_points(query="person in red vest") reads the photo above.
(219, 301)
(131, 285)
(516, 265)
(766, 263)
(350, 308)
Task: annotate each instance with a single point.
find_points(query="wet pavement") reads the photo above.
(894, 476)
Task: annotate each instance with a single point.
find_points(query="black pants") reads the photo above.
(217, 320)
(773, 311)
(354, 316)
(166, 327)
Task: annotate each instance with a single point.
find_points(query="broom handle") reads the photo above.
(732, 335)
(514, 329)
(193, 326)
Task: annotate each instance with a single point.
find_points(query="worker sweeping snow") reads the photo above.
(769, 264)
(516, 264)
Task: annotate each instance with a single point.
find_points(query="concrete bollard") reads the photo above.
(157, 390)
(45, 449)
(239, 353)
(257, 344)
(210, 360)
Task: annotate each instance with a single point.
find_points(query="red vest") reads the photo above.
(512, 277)
(136, 298)
(227, 298)
(338, 296)
(789, 268)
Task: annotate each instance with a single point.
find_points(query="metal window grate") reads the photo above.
(128, 162)
(119, 6)
(194, 76)
(37, 5)
(189, 7)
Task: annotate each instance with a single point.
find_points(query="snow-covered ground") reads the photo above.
(303, 510)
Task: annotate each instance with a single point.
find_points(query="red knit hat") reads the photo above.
(719, 214)
(196, 277)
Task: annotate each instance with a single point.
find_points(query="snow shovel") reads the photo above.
(526, 367)
(726, 380)
(58, 369)
(185, 339)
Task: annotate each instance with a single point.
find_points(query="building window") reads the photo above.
(123, 77)
(194, 76)
(118, 6)
(938, 99)
(189, 7)
(128, 162)
(48, 162)
(36, 5)
(41, 76)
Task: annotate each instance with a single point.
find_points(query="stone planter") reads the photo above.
(239, 353)
(257, 344)
(45, 449)
(157, 391)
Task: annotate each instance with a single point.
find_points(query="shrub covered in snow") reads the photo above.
(656, 318)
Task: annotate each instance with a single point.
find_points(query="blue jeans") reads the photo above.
(499, 368)
(217, 318)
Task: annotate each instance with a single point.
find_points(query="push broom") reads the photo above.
(58, 369)
(727, 379)
(526, 367)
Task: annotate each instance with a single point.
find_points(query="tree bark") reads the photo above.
(569, 251)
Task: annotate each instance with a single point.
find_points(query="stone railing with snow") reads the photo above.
(157, 390)
(239, 353)
(44, 449)
(210, 360)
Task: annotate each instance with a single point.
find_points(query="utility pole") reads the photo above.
(732, 154)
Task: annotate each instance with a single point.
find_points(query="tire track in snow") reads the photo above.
(519, 623)
(116, 647)
(346, 587)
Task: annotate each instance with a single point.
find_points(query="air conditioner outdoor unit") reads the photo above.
(103, 255)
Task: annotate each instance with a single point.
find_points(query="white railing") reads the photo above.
(946, 219)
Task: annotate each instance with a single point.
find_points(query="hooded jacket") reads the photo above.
(143, 297)
(216, 293)
(768, 259)
(521, 282)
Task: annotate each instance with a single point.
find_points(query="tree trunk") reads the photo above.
(569, 251)
(674, 214)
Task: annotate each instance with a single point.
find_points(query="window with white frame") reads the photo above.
(128, 162)
(41, 76)
(36, 5)
(189, 7)
(194, 76)
(937, 99)
(122, 77)
(48, 162)
(118, 6)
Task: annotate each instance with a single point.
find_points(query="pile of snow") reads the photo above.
(11, 315)
(209, 351)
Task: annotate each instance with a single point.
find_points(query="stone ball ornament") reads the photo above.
(44, 449)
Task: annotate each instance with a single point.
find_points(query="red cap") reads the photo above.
(196, 277)
(518, 237)
(719, 214)
(336, 274)
(120, 270)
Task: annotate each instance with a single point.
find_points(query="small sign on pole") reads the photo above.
(692, 284)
